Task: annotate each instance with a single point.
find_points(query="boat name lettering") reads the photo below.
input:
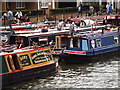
(36, 55)
(40, 61)
(23, 58)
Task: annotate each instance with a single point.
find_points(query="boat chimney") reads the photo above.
(118, 29)
(102, 30)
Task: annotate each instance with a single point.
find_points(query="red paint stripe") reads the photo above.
(17, 28)
(25, 51)
(75, 52)
(56, 52)
(25, 69)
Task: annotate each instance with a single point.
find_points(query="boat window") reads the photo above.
(63, 42)
(71, 43)
(43, 41)
(116, 39)
(74, 43)
(98, 42)
(84, 45)
(19, 41)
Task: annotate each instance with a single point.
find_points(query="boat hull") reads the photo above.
(23, 75)
(73, 58)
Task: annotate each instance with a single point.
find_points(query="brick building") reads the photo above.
(19, 5)
(48, 4)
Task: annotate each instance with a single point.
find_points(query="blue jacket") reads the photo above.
(110, 8)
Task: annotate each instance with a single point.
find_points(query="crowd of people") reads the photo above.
(109, 8)
(18, 18)
(94, 10)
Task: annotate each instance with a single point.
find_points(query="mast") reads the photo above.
(38, 11)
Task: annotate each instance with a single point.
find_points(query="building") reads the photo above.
(50, 4)
(19, 5)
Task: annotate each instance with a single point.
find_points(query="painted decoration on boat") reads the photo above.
(41, 56)
(25, 60)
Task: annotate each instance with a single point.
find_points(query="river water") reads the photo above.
(100, 74)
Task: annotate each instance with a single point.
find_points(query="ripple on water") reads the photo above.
(103, 74)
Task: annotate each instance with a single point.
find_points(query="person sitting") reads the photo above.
(45, 20)
(19, 16)
(60, 25)
(26, 17)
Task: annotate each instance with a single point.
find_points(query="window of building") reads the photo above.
(44, 3)
(20, 4)
(116, 39)
(98, 42)
(74, 43)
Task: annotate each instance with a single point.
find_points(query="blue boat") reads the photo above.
(91, 45)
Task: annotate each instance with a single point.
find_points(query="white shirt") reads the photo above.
(9, 15)
(18, 14)
(107, 6)
(61, 24)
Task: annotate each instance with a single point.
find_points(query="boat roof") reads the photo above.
(21, 50)
(5, 32)
(97, 17)
(37, 32)
(94, 34)
(26, 26)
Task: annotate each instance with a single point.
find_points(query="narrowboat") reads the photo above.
(23, 64)
(50, 38)
(99, 20)
(89, 45)
(21, 61)
(56, 39)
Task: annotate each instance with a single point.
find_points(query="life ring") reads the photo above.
(82, 24)
(93, 43)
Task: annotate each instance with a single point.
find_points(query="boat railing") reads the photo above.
(8, 47)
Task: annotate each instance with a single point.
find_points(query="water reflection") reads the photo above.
(102, 74)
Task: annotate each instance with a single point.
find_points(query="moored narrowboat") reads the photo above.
(22, 58)
(86, 46)
(22, 64)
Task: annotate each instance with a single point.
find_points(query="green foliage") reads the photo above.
(33, 11)
(63, 10)
(102, 7)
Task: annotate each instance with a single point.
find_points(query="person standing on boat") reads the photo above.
(110, 9)
(107, 8)
(91, 8)
(97, 9)
(10, 18)
(72, 28)
(79, 9)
